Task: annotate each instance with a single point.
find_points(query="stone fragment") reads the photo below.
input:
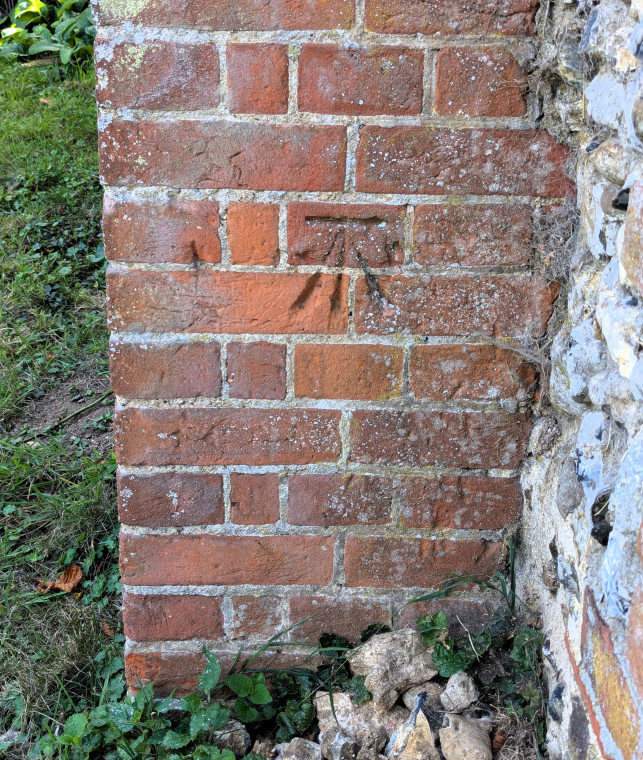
(464, 739)
(414, 740)
(605, 97)
(433, 691)
(299, 749)
(264, 748)
(233, 736)
(612, 160)
(459, 693)
(586, 357)
(355, 723)
(392, 663)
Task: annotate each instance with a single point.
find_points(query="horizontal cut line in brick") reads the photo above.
(288, 529)
(128, 32)
(162, 192)
(411, 269)
(348, 405)
(301, 118)
(321, 469)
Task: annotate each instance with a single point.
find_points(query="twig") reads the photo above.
(71, 416)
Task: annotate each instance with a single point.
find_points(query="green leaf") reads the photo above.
(260, 695)
(75, 725)
(191, 703)
(358, 691)
(448, 660)
(240, 684)
(174, 740)
(65, 55)
(211, 673)
(121, 715)
(244, 711)
(432, 627)
(164, 705)
(214, 717)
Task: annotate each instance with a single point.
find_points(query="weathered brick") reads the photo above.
(345, 371)
(156, 617)
(177, 672)
(484, 373)
(223, 154)
(367, 81)
(472, 234)
(632, 255)
(494, 305)
(155, 232)
(406, 563)
(257, 617)
(232, 302)
(257, 370)
(254, 498)
(227, 436)
(507, 17)
(462, 503)
(347, 235)
(486, 81)
(170, 499)
(339, 500)
(345, 617)
(438, 439)
(157, 75)
(608, 680)
(257, 78)
(411, 159)
(253, 233)
(225, 560)
(241, 15)
(635, 639)
(156, 370)
(463, 616)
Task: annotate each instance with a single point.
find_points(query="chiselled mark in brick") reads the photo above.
(307, 290)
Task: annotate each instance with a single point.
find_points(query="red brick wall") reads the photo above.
(318, 215)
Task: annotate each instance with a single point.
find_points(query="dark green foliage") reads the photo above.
(37, 29)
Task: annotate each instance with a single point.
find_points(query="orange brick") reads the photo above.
(254, 498)
(346, 617)
(344, 371)
(257, 370)
(161, 617)
(257, 617)
(253, 233)
(257, 78)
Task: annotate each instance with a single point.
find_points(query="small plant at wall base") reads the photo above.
(36, 29)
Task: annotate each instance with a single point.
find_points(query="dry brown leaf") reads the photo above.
(68, 581)
(107, 629)
(46, 101)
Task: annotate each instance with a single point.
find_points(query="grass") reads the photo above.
(57, 495)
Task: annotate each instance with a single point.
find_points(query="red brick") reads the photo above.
(232, 302)
(223, 154)
(254, 498)
(407, 563)
(486, 81)
(170, 499)
(347, 616)
(463, 616)
(157, 75)
(153, 370)
(339, 500)
(257, 617)
(635, 640)
(227, 436)
(225, 560)
(462, 503)
(169, 671)
(257, 370)
(160, 617)
(257, 78)
(368, 81)
(346, 235)
(493, 305)
(241, 15)
(345, 371)
(472, 235)
(483, 373)
(411, 159)
(155, 232)
(438, 439)
(253, 233)
(610, 684)
(507, 17)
